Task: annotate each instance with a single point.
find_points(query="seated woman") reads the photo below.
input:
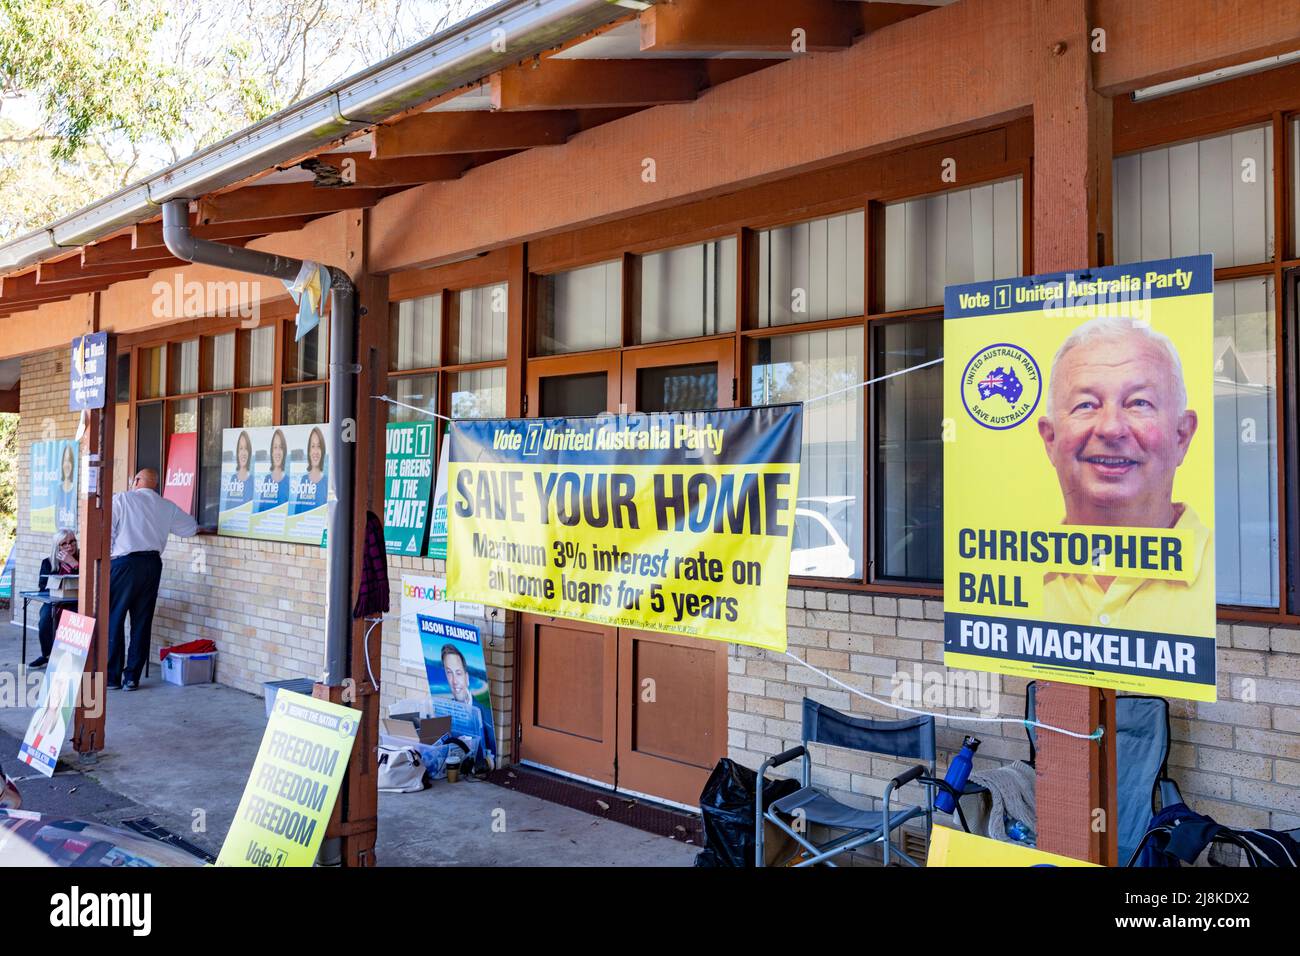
(64, 559)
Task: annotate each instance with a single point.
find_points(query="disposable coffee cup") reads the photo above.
(453, 769)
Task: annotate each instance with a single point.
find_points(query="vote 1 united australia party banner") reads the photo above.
(1079, 477)
(677, 522)
(275, 483)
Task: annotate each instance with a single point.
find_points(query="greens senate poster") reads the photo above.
(1079, 477)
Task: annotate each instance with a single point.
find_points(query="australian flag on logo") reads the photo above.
(1001, 382)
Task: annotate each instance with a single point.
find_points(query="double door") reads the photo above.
(629, 709)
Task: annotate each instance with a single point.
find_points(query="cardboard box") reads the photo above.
(420, 734)
(63, 585)
(185, 669)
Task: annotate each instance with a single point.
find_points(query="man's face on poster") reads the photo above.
(457, 677)
(1116, 430)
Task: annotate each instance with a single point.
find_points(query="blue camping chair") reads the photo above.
(910, 739)
(1141, 762)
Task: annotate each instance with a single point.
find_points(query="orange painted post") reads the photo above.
(1071, 229)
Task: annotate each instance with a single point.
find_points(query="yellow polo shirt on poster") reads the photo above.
(1138, 604)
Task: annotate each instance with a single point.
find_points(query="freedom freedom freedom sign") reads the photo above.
(676, 522)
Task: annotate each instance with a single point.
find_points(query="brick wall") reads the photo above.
(1237, 760)
(262, 602)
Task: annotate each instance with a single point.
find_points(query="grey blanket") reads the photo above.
(1010, 795)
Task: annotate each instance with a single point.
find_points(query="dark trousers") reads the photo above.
(49, 622)
(132, 589)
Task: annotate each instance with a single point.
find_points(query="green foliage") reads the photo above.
(8, 480)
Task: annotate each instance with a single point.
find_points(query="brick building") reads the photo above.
(619, 210)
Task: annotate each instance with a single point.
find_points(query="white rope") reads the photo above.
(414, 408)
(1095, 735)
(375, 622)
(873, 381)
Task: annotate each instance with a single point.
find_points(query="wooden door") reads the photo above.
(672, 691)
(568, 669)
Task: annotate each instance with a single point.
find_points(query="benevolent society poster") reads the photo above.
(54, 488)
(1079, 477)
(275, 483)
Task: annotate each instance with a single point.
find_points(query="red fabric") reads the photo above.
(193, 647)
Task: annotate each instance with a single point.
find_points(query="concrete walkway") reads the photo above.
(181, 756)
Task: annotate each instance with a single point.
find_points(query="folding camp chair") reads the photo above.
(910, 739)
(1141, 762)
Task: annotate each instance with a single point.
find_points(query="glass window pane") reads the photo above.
(214, 415)
(1212, 195)
(153, 371)
(185, 367)
(478, 331)
(966, 235)
(122, 384)
(586, 393)
(828, 519)
(307, 359)
(149, 437)
(1294, 153)
(257, 356)
(581, 309)
(1245, 443)
(908, 457)
(418, 390)
(479, 394)
(304, 406)
(220, 371)
(185, 415)
(811, 270)
(677, 388)
(254, 409)
(415, 328)
(688, 292)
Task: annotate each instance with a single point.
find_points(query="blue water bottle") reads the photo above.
(958, 774)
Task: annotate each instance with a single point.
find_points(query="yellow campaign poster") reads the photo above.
(674, 522)
(1079, 477)
(295, 780)
(949, 847)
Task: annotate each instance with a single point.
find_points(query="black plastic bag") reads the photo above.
(727, 805)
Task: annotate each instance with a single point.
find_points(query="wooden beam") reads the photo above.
(148, 235)
(550, 83)
(23, 289)
(769, 26)
(359, 171)
(72, 270)
(1071, 229)
(290, 199)
(480, 131)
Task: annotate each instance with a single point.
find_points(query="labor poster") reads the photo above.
(408, 475)
(678, 523)
(54, 489)
(458, 681)
(60, 686)
(949, 847)
(295, 780)
(182, 464)
(1079, 477)
(275, 483)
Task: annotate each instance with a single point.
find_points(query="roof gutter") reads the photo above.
(498, 36)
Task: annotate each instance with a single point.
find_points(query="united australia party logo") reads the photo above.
(1001, 386)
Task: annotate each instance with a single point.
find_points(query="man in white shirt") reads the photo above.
(142, 522)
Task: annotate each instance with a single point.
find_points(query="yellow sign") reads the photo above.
(295, 781)
(679, 522)
(957, 848)
(1079, 477)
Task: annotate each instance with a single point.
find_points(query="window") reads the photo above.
(307, 360)
(415, 333)
(256, 358)
(811, 271)
(1212, 195)
(479, 394)
(688, 292)
(214, 416)
(1245, 443)
(149, 437)
(253, 409)
(580, 310)
(1294, 153)
(218, 356)
(183, 367)
(185, 415)
(907, 459)
(304, 406)
(153, 371)
(478, 329)
(966, 235)
(419, 391)
(793, 368)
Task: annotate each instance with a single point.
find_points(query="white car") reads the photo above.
(818, 550)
